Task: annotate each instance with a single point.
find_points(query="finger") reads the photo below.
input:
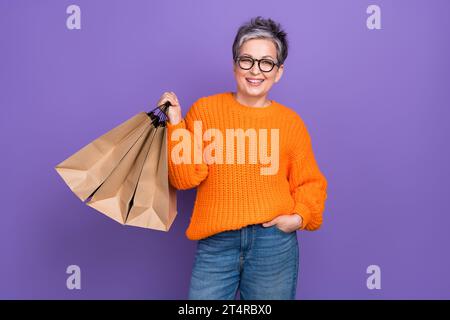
(269, 224)
(164, 97)
(274, 221)
(167, 95)
(174, 97)
(172, 101)
(162, 102)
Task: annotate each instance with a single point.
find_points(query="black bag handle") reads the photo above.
(158, 115)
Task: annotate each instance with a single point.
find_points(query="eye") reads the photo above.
(267, 63)
(245, 62)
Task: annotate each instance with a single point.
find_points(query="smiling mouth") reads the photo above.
(254, 82)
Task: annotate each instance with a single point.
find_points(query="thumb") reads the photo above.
(270, 223)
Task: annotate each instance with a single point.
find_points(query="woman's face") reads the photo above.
(257, 49)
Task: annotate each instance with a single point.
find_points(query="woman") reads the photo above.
(258, 182)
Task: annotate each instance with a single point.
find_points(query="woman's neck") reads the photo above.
(257, 102)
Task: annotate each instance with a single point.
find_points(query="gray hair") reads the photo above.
(259, 28)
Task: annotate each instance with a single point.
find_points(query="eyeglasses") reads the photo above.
(265, 65)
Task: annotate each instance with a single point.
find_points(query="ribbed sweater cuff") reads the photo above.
(171, 127)
(303, 211)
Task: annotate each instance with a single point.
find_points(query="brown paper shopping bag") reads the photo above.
(154, 204)
(113, 197)
(128, 181)
(88, 168)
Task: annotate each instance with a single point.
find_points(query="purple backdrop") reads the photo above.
(376, 103)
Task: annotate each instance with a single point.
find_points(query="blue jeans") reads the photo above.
(261, 262)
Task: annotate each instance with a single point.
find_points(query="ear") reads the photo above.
(279, 73)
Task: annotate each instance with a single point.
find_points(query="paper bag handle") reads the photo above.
(158, 115)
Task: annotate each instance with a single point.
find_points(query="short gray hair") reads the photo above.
(260, 28)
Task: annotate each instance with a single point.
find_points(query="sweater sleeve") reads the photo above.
(186, 174)
(308, 185)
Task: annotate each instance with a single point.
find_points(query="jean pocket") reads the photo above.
(281, 231)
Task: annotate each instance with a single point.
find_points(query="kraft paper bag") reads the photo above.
(113, 197)
(88, 168)
(154, 204)
(124, 173)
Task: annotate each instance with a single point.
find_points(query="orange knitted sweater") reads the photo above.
(240, 186)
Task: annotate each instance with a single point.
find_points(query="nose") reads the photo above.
(255, 69)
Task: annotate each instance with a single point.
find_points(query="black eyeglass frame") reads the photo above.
(259, 63)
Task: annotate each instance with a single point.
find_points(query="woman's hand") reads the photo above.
(174, 111)
(286, 222)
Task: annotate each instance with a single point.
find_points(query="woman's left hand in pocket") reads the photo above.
(286, 222)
